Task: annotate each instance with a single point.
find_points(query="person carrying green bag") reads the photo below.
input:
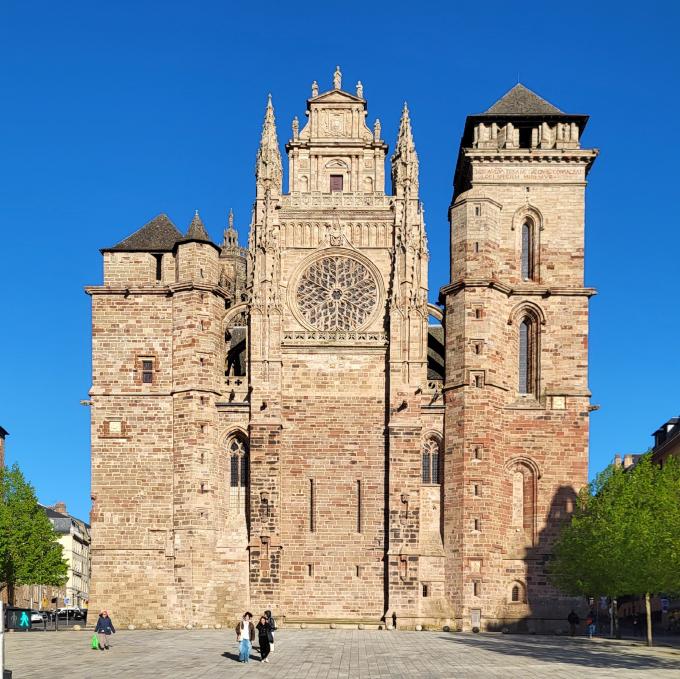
(104, 630)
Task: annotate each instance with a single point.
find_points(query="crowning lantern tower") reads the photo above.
(273, 426)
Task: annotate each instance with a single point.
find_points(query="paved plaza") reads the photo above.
(337, 654)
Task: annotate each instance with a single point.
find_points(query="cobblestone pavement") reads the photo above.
(337, 654)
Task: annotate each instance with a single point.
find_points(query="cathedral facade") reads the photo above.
(293, 426)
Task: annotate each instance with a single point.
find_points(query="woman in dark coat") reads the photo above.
(264, 633)
(104, 629)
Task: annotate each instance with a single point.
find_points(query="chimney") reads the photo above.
(60, 507)
(617, 460)
(627, 460)
(3, 433)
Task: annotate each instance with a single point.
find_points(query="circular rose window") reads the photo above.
(336, 293)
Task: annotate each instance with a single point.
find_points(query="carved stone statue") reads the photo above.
(337, 78)
(315, 89)
(360, 90)
(296, 127)
(377, 127)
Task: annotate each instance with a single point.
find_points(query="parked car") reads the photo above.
(70, 613)
(37, 618)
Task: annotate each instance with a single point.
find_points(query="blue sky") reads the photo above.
(114, 112)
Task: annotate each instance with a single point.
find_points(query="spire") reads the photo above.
(197, 230)
(405, 136)
(405, 158)
(230, 233)
(268, 169)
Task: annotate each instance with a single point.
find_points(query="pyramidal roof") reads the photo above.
(197, 230)
(157, 235)
(521, 101)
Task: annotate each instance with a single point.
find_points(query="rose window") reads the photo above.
(337, 293)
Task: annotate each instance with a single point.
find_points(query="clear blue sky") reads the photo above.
(113, 112)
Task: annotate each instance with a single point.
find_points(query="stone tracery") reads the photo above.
(337, 293)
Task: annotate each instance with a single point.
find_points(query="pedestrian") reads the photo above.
(573, 620)
(264, 634)
(590, 624)
(104, 629)
(272, 628)
(245, 635)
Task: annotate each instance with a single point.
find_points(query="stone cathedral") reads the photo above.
(292, 426)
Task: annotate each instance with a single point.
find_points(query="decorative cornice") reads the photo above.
(521, 290)
(164, 290)
(585, 156)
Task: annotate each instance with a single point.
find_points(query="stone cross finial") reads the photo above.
(296, 127)
(376, 130)
(315, 89)
(337, 78)
(360, 90)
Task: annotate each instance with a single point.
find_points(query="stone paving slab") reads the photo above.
(334, 654)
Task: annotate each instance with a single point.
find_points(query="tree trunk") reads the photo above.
(10, 594)
(648, 609)
(617, 626)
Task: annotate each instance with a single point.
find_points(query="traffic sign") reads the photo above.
(67, 601)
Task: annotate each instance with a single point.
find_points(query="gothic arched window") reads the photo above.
(238, 473)
(527, 382)
(522, 483)
(527, 256)
(430, 461)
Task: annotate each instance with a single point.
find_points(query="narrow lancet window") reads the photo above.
(430, 461)
(527, 263)
(525, 358)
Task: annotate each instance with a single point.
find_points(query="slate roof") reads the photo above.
(197, 230)
(157, 235)
(521, 101)
(3, 432)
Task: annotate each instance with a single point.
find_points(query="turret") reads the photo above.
(197, 255)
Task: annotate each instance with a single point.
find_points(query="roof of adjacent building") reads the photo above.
(435, 352)
(3, 432)
(521, 101)
(61, 522)
(157, 235)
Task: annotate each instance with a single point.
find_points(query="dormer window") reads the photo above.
(336, 182)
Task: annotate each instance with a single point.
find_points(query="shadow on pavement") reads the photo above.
(569, 651)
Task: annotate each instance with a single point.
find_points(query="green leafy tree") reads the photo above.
(30, 553)
(624, 536)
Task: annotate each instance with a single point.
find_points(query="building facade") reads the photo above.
(290, 426)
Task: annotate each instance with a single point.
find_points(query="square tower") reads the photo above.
(516, 391)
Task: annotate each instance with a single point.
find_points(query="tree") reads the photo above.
(30, 553)
(624, 536)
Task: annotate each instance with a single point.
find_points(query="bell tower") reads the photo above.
(516, 390)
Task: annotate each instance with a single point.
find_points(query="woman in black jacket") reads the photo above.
(264, 634)
(104, 629)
